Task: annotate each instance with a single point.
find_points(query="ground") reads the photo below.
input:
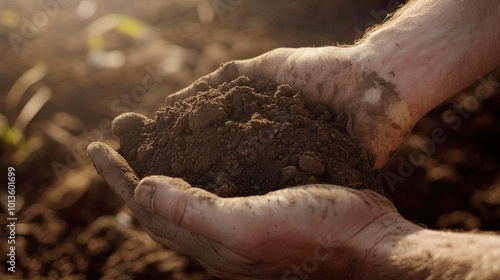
(92, 64)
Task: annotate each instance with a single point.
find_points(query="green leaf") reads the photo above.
(130, 26)
(12, 137)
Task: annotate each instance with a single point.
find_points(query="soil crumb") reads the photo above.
(249, 138)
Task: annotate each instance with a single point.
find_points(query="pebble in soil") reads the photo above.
(248, 138)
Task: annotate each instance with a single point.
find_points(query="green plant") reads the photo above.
(16, 146)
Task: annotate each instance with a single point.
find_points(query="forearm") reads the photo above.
(432, 49)
(406, 251)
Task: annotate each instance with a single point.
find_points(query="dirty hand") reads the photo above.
(383, 85)
(308, 232)
(320, 231)
(349, 80)
(315, 231)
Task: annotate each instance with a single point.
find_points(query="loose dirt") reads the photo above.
(248, 138)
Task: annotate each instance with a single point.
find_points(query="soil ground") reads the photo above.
(70, 225)
(248, 138)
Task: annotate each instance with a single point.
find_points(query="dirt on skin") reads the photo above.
(248, 138)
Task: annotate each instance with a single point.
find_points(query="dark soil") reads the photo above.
(71, 225)
(248, 138)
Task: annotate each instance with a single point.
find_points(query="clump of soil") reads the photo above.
(248, 138)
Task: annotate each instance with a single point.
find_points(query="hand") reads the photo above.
(382, 86)
(316, 231)
(308, 232)
(281, 233)
(352, 81)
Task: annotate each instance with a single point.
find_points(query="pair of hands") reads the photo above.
(309, 231)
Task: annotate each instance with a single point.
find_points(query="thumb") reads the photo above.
(174, 199)
(232, 221)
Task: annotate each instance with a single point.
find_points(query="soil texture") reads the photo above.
(248, 138)
(70, 225)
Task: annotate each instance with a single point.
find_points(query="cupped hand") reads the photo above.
(353, 81)
(313, 232)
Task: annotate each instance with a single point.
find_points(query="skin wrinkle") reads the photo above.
(275, 64)
(440, 76)
(332, 96)
(324, 215)
(414, 255)
(343, 93)
(374, 265)
(410, 257)
(338, 98)
(373, 248)
(309, 77)
(168, 234)
(114, 167)
(147, 194)
(178, 213)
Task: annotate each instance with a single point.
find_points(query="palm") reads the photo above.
(266, 236)
(262, 236)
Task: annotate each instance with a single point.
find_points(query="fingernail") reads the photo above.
(145, 196)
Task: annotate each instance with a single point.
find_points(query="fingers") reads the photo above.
(114, 169)
(182, 205)
(166, 202)
(126, 123)
(238, 221)
(225, 220)
(265, 66)
(123, 180)
(226, 72)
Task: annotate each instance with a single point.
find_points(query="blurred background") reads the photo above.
(68, 67)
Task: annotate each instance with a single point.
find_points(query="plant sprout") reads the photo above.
(12, 133)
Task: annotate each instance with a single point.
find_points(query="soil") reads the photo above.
(249, 138)
(72, 226)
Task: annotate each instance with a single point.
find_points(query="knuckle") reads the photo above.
(177, 211)
(228, 69)
(378, 200)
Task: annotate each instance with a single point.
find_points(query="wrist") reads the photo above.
(360, 249)
(383, 115)
(433, 49)
(377, 245)
(422, 254)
